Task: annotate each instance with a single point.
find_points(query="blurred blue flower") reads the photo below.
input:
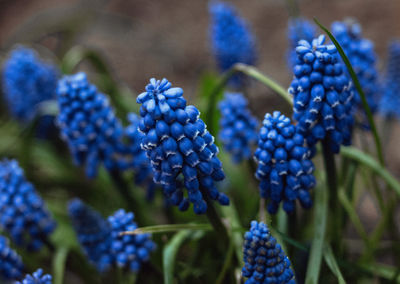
(389, 105)
(179, 146)
(23, 214)
(11, 265)
(93, 232)
(323, 95)
(88, 124)
(238, 131)
(128, 251)
(298, 29)
(360, 52)
(264, 259)
(285, 169)
(231, 38)
(37, 277)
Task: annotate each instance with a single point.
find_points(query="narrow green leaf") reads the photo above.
(236, 236)
(381, 270)
(320, 219)
(169, 254)
(59, 260)
(168, 228)
(359, 90)
(368, 161)
(332, 264)
(227, 263)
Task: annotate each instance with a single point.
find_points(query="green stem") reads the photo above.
(227, 264)
(59, 260)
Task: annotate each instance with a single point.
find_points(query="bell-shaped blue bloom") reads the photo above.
(128, 251)
(298, 29)
(181, 150)
(88, 124)
(23, 214)
(231, 38)
(93, 232)
(27, 82)
(264, 259)
(323, 95)
(11, 265)
(361, 54)
(389, 105)
(238, 132)
(37, 277)
(285, 169)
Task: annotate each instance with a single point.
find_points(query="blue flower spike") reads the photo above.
(298, 29)
(181, 150)
(129, 251)
(264, 259)
(23, 213)
(323, 95)
(362, 56)
(390, 101)
(27, 82)
(88, 124)
(93, 234)
(231, 38)
(11, 265)
(37, 277)
(285, 169)
(238, 127)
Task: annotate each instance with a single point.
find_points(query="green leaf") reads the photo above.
(332, 264)
(359, 90)
(368, 161)
(320, 220)
(168, 228)
(169, 254)
(59, 261)
(236, 236)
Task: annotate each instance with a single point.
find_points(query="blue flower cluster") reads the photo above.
(298, 29)
(27, 81)
(179, 146)
(361, 54)
(22, 212)
(36, 278)
(323, 95)
(101, 238)
(389, 105)
(93, 233)
(264, 259)
(231, 38)
(129, 250)
(10, 262)
(285, 169)
(238, 127)
(88, 124)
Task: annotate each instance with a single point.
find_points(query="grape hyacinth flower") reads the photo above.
(238, 131)
(11, 265)
(181, 150)
(231, 39)
(93, 234)
(323, 95)
(27, 82)
(88, 124)
(37, 277)
(128, 251)
(285, 169)
(390, 101)
(360, 52)
(264, 259)
(298, 29)
(23, 213)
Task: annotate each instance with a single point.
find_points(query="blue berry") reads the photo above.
(323, 95)
(36, 278)
(238, 127)
(23, 213)
(285, 169)
(11, 265)
(27, 82)
(264, 259)
(181, 150)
